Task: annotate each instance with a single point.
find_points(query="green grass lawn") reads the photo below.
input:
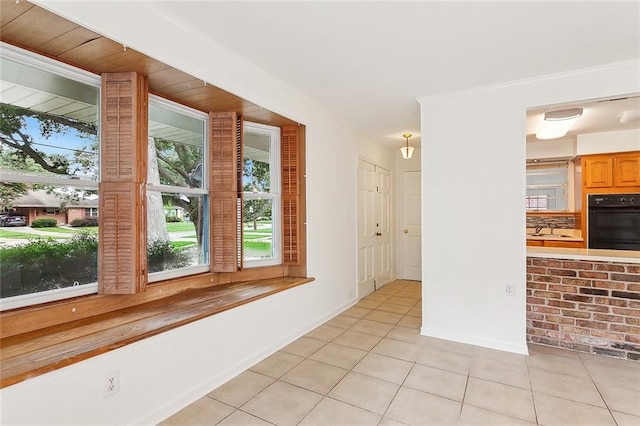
(93, 230)
(15, 235)
(180, 226)
(252, 236)
(182, 244)
(256, 248)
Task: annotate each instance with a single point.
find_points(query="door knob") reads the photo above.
(406, 231)
(378, 234)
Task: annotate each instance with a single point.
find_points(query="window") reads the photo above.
(49, 144)
(177, 195)
(261, 230)
(91, 212)
(48, 141)
(547, 186)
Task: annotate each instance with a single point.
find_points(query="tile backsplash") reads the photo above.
(558, 222)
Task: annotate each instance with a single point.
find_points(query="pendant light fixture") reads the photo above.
(407, 151)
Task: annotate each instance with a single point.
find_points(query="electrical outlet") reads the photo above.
(111, 383)
(510, 289)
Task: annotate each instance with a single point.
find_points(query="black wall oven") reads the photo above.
(614, 221)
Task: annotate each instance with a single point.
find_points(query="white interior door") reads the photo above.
(411, 263)
(374, 227)
(383, 227)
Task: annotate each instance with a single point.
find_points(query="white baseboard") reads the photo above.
(501, 345)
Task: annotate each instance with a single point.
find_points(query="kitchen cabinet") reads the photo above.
(571, 244)
(621, 170)
(611, 173)
(598, 172)
(625, 171)
(555, 243)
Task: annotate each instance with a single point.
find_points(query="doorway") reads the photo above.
(410, 240)
(374, 227)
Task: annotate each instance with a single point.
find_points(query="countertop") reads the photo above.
(546, 234)
(620, 256)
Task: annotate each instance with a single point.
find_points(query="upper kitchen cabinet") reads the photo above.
(597, 171)
(619, 170)
(626, 170)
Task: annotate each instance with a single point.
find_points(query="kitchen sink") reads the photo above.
(548, 235)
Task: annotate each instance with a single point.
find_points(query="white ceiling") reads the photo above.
(367, 62)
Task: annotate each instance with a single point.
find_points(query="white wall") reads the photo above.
(162, 374)
(618, 141)
(473, 186)
(551, 149)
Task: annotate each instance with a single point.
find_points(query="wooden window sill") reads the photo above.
(37, 352)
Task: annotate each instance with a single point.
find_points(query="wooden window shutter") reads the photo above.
(240, 198)
(291, 179)
(122, 245)
(223, 191)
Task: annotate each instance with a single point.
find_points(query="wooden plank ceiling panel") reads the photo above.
(92, 51)
(183, 87)
(11, 11)
(212, 95)
(35, 27)
(31, 27)
(68, 41)
(164, 78)
(117, 60)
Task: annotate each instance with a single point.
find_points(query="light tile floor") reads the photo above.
(370, 366)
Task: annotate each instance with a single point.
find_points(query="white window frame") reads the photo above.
(203, 191)
(52, 66)
(93, 212)
(274, 194)
(533, 199)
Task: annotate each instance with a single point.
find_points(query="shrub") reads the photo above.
(44, 264)
(84, 221)
(44, 223)
(173, 219)
(162, 256)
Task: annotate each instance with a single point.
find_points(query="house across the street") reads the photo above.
(41, 204)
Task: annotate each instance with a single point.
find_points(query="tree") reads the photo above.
(180, 165)
(9, 192)
(15, 136)
(20, 150)
(256, 179)
(156, 222)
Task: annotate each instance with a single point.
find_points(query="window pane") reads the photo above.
(176, 147)
(49, 124)
(547, 186)
(257, 155)
(257, 230)
(39, 259)
(177, 231)
(261, 226)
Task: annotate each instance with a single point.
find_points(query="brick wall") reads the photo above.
(584, 305)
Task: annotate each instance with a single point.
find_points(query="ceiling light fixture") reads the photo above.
(630, 116)
(407, 151)
(556, 124)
